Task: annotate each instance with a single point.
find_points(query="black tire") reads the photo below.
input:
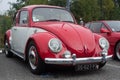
(117, 52)
(37, 66)
(7, 51)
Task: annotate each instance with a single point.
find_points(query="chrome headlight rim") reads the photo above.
(55, 45)
(104, 44)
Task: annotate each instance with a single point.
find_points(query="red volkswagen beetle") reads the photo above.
(45, 34)
(111, 31)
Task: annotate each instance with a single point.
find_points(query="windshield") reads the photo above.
(51, 14)
(114, 25)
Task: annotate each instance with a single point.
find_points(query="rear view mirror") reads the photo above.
(104, 30)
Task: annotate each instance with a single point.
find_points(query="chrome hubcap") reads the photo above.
(118, 52)
(33, 57)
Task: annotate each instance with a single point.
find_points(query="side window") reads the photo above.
(95, 27)
(87, 25)
(23, 17)
(103, 26)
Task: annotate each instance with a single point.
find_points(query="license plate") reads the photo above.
(85, 67)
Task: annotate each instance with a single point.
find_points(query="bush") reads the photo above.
(1, 40)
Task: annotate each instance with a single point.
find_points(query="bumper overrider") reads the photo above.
(75, 61)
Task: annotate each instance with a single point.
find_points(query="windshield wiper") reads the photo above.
(52, 20)
(68, 21)
(58, 20)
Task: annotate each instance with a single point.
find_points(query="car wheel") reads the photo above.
(117, 51)
(101, 65)
(35, 63)
(7, 51)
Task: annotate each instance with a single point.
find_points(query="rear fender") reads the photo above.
(7, 36)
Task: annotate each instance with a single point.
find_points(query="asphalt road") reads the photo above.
(16, 69)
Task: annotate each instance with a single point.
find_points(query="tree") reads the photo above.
(61, 3)
(108, 6)
(87, 9)
(5, 24)
(115, 14)
(31, 2)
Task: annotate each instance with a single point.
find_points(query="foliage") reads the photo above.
(108, 6)
(61, 3)
(115, 14)
(32, 2)
(87, 9)
(5, 24)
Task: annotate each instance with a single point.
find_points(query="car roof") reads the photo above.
(47, 6)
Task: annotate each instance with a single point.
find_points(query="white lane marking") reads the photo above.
(111, 65)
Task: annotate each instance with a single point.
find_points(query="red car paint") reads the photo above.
(80, 41)
(112, 36)
(73, 36)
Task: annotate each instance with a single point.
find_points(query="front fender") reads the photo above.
(97, 37)
(41, 41)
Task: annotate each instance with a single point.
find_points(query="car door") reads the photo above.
(96, 28)
(108, 34)
(19, 33)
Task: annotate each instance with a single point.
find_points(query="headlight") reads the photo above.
(55, 45)
(104, 44)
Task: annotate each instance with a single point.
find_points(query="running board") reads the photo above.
(18, 54)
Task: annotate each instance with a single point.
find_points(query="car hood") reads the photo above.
(77, 39)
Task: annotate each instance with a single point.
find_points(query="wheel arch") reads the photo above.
(41, 41)
(115, 47)
(26, 48)
(7, 35)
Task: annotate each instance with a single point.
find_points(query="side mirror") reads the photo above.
(104, 30)
(81, 22)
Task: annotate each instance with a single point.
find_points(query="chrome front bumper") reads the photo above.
(74, 60)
